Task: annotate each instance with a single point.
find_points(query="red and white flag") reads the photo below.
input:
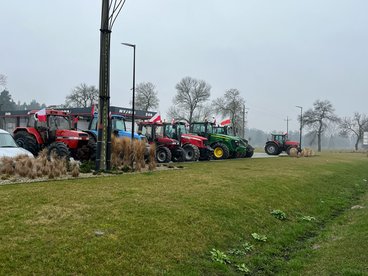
(156, 118)
(172, 121)
(41, 115)
(225, 122)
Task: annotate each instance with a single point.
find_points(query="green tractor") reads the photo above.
(229, 130)
(224, 146)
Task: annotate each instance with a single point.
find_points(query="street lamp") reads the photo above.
(301, 125)
(133, 100)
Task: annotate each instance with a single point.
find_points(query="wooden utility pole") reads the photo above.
(287, 124)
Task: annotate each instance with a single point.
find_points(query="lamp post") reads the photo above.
(133, 100)
(133, 97)
(301, 125)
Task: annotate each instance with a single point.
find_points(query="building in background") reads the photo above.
(9, 120)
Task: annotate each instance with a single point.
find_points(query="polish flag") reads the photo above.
(156, 118)
(225, 122)
(41, 115)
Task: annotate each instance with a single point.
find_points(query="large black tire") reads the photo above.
(220, 151)
(60, 149)
(163, 155)
(249, 153)
(178, 155)
(191, 152)
(272, 149)
(27, 141)
(87, 152)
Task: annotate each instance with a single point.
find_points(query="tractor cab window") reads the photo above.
(182, 129)
(219, 130)
(199, 129)
(118, 124)
(280, 138)
(159, 131)
(169, 131)
(147, 131)
(59, 122)
(94, 123)
(230, 131)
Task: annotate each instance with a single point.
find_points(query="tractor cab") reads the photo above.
(118, 127)
(204, 129)
(195, 147)
(281, 138)
(167, 148)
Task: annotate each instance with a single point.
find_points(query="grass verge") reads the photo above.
(168, 222)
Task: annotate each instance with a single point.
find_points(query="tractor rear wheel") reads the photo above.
(163, 155)
(191, 152)
(27, 141)
(272, 149)
(59, 149)
(220, 151)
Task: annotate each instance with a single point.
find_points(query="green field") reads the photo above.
(168, 222)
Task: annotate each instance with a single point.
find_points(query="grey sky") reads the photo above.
(277, 53)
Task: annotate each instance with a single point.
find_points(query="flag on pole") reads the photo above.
(225, 122)
(155, 118)
(40, 115)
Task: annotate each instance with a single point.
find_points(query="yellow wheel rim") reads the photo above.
(218, 152)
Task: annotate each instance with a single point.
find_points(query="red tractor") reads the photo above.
(167, 149)
(280, 143)
(56, 134)
(195, 147)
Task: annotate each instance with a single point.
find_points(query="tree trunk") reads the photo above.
(356, 144)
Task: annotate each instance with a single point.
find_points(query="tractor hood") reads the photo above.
(292, 143)
(167, 141)
(193, 137)
(71, 134)
(226, 137)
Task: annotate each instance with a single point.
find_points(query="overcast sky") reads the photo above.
(279, 54)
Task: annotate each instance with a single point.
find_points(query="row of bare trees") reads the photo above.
(319, 118)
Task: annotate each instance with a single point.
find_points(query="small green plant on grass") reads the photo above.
(87, 167)
(242, 251)
(308, 218)
(259, 237)
(219, 256)
(279, 214)
(242, 268)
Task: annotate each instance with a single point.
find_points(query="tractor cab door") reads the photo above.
(199, 129)
(147, 130)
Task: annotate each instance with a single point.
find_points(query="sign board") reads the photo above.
(365, 138)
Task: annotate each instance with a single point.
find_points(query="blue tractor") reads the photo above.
(118, 128)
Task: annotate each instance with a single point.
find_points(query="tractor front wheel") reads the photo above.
(163, 155)
(191, 152)
(249, 153)
(272, 149)
(58, 149)
(27, 141)
(220, 151)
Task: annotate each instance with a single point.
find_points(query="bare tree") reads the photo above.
(231, 105)
(191, 95)
(146, 96)
(354, 126)
(82, 96)
(3, 81)
(319, 118)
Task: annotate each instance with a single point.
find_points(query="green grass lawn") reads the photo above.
(167, 222)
